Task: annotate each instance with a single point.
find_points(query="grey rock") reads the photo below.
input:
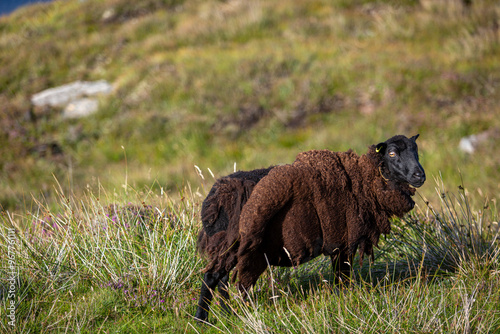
(467, 144)
(63, 95)
(471, 143)
(81, 108)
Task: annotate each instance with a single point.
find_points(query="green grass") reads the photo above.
(96, 263)
(125, 261)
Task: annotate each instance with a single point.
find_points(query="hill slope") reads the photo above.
(253, 82)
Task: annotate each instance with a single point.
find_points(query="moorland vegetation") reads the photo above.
(101, 232)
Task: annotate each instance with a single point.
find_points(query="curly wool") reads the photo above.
(220, 214)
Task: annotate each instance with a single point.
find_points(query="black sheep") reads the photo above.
(326, 202)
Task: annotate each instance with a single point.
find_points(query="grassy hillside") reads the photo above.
(214, 83)
(99, 234)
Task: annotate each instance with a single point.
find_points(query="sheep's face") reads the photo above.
(400, 160)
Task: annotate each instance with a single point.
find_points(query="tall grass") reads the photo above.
(126, 262)
(410, 306)
(447, 282)
(454, 238)
(142, 254)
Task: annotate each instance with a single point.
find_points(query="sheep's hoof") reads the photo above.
(201, 316)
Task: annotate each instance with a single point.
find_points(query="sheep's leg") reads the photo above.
(210, 281)
(341, 265)
(250, 267)
(223, 289)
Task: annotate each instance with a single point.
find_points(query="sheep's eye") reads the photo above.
(392, 154)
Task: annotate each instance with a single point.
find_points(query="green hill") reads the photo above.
(214, 83)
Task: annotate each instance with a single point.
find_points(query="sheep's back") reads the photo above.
(223, 204)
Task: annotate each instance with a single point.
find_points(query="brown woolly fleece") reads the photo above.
(326, 202)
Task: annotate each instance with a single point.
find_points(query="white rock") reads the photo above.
(81, 108)
(470, 143)
(108, 14)
(467, 144)
(62, 95)
(96, 87)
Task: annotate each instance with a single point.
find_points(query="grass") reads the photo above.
(125, 262)
(108, 260)
(454, 239)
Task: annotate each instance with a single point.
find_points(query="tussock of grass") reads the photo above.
(456, 238)
(132, 256)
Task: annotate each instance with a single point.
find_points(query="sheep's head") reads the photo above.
(400, 161)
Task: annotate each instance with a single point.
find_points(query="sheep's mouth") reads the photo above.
(417, 179)
(416, 184)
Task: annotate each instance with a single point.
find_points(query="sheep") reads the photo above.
(330, 203)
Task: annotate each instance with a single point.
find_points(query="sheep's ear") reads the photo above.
(414, 138)
(380, 148)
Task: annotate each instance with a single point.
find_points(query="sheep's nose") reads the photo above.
(419, 175)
